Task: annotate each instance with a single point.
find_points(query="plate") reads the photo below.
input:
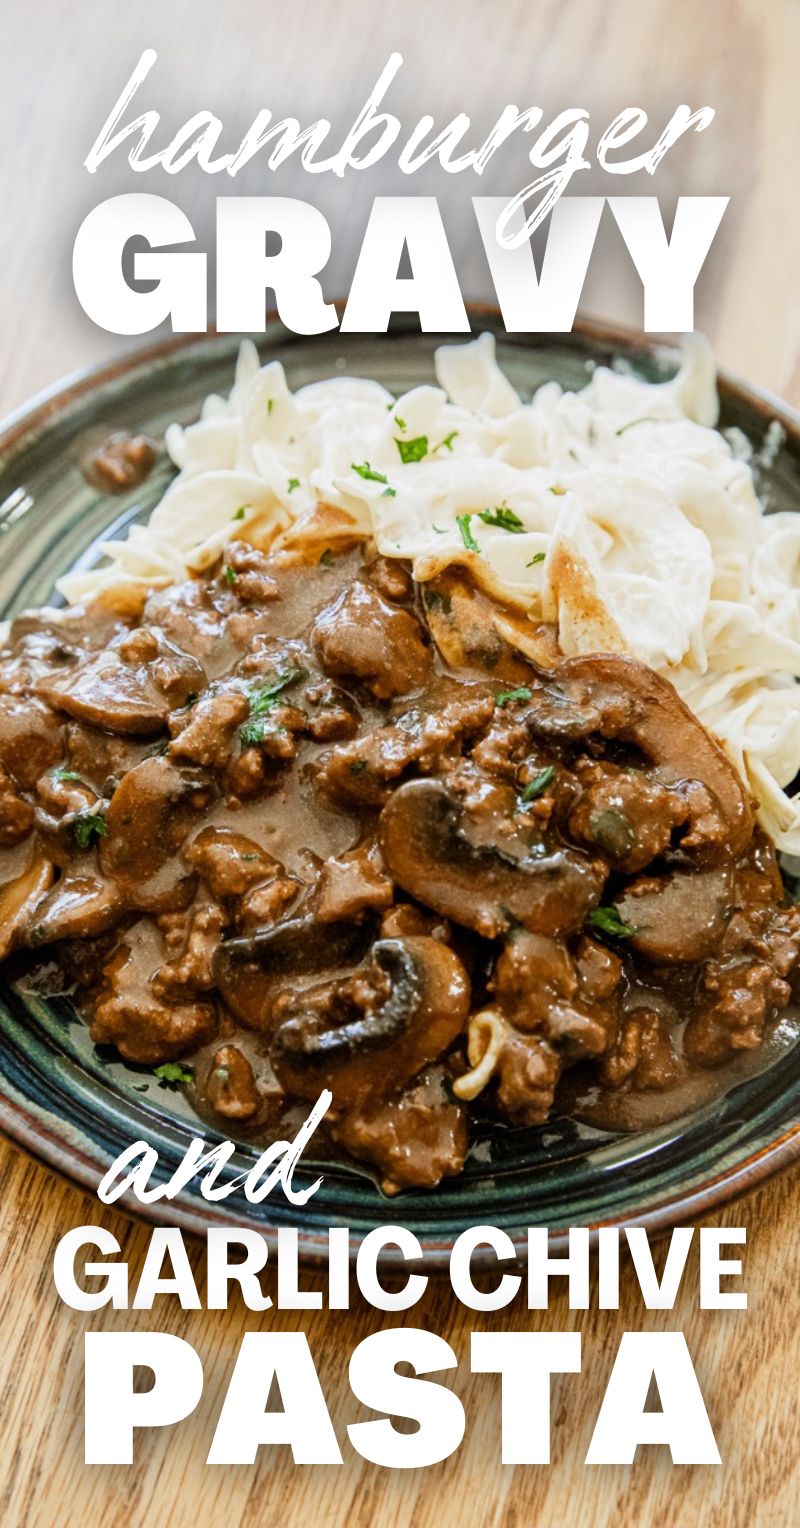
(76, 1109)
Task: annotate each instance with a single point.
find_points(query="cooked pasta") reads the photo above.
(617, 512)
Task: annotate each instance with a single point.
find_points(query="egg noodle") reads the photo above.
(617, 512)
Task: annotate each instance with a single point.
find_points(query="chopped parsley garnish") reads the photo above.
(293, 483)
(89, 826)
(371, 476)
(646, 419)
(228, 575)
(502, 517)
(412, 450)
(66, 775)
(447, 443)
(270, 405)
(401, 424)
(251, 734)
(504, 696)
(608, 921)
(559, 492)
(537, 557)
(537, 786)
(171, 1074)
(462, 521)
(264, 700)
(240, 513)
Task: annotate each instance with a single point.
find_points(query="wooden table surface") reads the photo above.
(63, 64)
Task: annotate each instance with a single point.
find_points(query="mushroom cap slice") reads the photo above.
(148, 817)
(80, 906)
(620, 698)
(680, 916)
(426, 843)
(124, 697)
(370, 1057)
(19, 900)
(251, 970)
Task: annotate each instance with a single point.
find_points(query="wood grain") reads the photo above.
(62, 66)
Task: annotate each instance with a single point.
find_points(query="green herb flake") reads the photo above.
(228, 575)
(358, 766)
(412, 450)
(503, 697)
(463, 523)
(536, 558)
(401, 424)
(389, 493)
(538, 786)
(447, 443)
(251, 734)
(368, 473)
(240, 513)
(171, 1074)
(89, 826)
(292, 484)
(608, 921)
(326, 559)
(503, 518)
(270, 405)
(67, 776)
(557, 490)
(264, 699)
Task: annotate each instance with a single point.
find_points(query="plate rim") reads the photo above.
(81, 1163)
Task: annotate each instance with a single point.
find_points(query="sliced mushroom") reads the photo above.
(19, 900)
(426, 843)
(148, 817)
(254, 969)
(79, 906)
(680, 916)
(130, 687)
(622, 699)
(368, 1058)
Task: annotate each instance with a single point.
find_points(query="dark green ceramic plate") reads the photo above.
(76, 1110)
